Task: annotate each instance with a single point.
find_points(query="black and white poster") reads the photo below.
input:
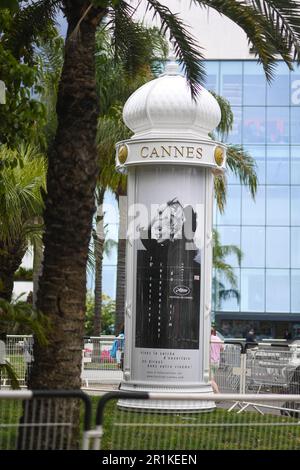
(168, 259)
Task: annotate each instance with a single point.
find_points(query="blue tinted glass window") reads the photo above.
(278, 164)
(295, 164)
(254, 125)
(278, 247)
(225, 302)
(212, 76)
(278, 91)
(258, 152)
(232, 213)
(295, 288)
(278, 205)
(277, 290)
(295, 247)
(253, 247)
(278, 125)
(253, 211)
(295, 125)
(235, 135)
(254, 84)
(252, 290)
(295, 86)
(230, 236)
(232, 81)
(295, 205)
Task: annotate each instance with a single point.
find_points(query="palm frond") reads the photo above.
(30, 24)
(220, 187)
(243, 166)
(186, 49)
(283, 17)
(133, 44)
(226, 123)
(21, 314)
(257, 28)
(8, 371)
(22, 185)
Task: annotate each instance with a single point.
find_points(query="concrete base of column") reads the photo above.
(168, 406)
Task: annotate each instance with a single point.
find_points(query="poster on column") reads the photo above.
(168, 271)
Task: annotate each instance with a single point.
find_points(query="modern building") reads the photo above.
(267, 230)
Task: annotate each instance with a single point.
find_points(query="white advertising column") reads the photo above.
(170, 161)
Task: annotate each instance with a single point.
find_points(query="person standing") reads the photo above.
(216, 346)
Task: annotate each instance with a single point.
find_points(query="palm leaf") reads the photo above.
(256, 26)
(21, 314)
(31, 24)
(8, 370)
(243, 166)
(283, 17)
(186, 48)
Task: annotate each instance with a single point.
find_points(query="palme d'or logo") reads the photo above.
(123, 154)
(219, 156)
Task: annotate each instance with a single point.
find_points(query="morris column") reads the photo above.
(170, 161)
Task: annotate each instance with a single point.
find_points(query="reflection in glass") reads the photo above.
(295, 205)
(295, 125)
(253, 211)
(278, 205)
(278, 92)
(278, 167)
(212, 75)
(278, 247)
(295, 247)
(252, 290)
(226, 297)
(295, 288)
(232, 81)
(254, 84)
(295, 86)
(230, 236)
(295, 165)
(232, 213)
(278, 120)
(254, 125)
(258, 152)
(277, 290)
(235, 135)
(253, 247)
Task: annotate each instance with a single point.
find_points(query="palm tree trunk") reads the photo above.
(121, 273)
(37, 268)
(71, 182)
(10, 261)
(98, 236)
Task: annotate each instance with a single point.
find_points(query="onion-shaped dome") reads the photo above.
(164, 108)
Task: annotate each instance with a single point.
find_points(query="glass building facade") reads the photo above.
(267, 230)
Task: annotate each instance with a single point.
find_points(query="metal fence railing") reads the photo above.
(101, 362)
(269, 423)
(19, 353)
(61, 420)
(258, 368)
(50, 420)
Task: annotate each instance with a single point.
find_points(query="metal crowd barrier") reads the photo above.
(44, 420)
(19, 353)
(268, 425)
(98, 366)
